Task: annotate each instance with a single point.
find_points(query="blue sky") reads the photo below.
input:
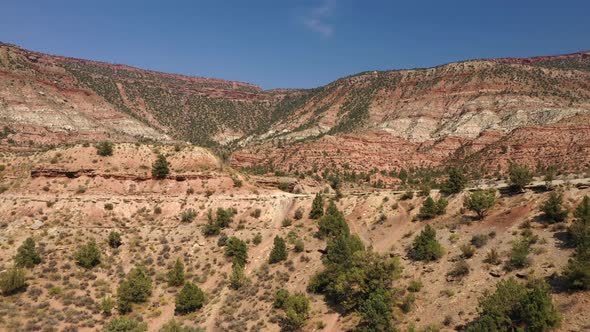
(298, 43)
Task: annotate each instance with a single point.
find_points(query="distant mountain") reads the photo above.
(484, 112)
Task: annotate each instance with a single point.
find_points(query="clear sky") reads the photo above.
(297, 43)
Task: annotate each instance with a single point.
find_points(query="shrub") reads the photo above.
(520, 176)
(13, 281)
(479, 240)
(279, 251)
(222, 240)
(256, 213)
(317, 207)
(174, 326)
(287, 222)
(492, 257)
(553, 210)
(106, 305)
(123, 324)
(514, 306)
(425, 246)
(176, 274)
(257, 239)
(298, 214)
(467, 250)
(88, 255)
(237, 249)
(190, 298)
(407, 303)
(455, 182)
(415, 286)
(108, 206)
(104, 149)
(299, 245)
(237, 182)
(160, 168)
(407, 195)
(431, 209)
(480, 201)
(114, 239)
(27, 255)
(519, 254)
(188, 215)
(211, 228)
(460, 270)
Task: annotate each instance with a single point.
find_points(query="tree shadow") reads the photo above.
(563, 239)
(558, 284)
(508, 192)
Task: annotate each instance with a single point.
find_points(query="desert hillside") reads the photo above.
(67, 197)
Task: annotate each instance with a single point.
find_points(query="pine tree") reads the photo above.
(176, 274)
(27, 255)
(552, 208)
(237, 278)
(579, 231)
(431, 208)
(480, 201)
(279, 251)
(13, 281)
(425, 246)
(189, 299)
(135, 289)
(237, 250)
(516, 307)
(160, 168)
(520, 176)
(455, 183)
(333, 223)
(317, 207)
(88, 255)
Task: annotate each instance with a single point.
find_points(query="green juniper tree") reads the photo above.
(189, 299)
(27, 255)
(480, 201)
(425, 246)
(431, 208)
(88, 255)
(160, 168)
(455, 182)
(13, 281)
(176, 274)
(317, 207)
(553, 210)
(279, 251)
(520, 176)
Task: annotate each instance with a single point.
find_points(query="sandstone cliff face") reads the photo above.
(39, 103)
(483, 112)
(384, 120)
